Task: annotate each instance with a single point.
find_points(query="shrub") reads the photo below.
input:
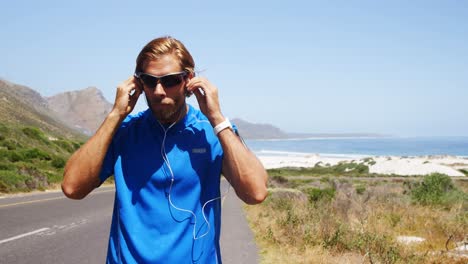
(464, 171)
(53, 177)
(10, 144)
(66, 145)
(36, 134)
(2, 137)
(316, 194)
(6, 166)
(436, 189)
(12, 181)
(3, 129)
(326, 180)
(15, 156)
(77, 145)
(36, 154)
(58, 162)
(33, 133)
(369, 161)
(360, 189)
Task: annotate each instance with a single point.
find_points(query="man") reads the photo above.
(166, 162)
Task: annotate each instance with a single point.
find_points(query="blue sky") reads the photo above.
(396, 68)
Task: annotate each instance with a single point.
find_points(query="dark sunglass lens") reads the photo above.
(148, 80)
(171, 80)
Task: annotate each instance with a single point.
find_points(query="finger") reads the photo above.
(134, 98)
(137, 83)
(133, 85)
(200, 97)
(196, 82)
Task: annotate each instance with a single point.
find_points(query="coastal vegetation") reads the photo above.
(31, 159)
(322, 215)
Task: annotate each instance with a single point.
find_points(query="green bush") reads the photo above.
(33, 133)
(54, 177)
(58, 162)
(36, 154)
(369, 161)
(66, 145)
(360, 189)
(15, 156)
(36, 134)
(353, 168)
(436, 189)
(2, 137)
(6, 166)
(316, 194)
(3, 129)
(12, 181)
(77, 145)
(10, 144)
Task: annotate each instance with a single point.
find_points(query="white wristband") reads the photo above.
(221, 126)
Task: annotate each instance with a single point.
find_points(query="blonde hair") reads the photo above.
(162, 46)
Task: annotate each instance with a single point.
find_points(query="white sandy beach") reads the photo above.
(418, 165)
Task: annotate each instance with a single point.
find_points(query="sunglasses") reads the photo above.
(167, 81)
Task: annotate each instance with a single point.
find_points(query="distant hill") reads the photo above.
(34, 142)
(258, 131)
(267, 131)
(84, 109)
(22, 106)
(336, 135)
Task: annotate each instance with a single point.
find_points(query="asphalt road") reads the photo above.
(49, 228)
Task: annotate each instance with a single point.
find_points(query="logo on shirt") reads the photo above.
(199, 150)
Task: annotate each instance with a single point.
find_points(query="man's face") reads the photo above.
(166, 103)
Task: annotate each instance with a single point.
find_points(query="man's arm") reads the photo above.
(240, 166)
(81, 174)
(242, 169)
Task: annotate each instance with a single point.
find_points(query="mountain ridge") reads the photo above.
(84, 110)
(23, 106)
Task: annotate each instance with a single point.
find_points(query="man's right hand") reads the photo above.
(81, 174)
(127, 96)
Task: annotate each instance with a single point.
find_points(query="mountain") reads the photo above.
(22, 106)
(267, 131)
(84, 109)
(336, 135)
(258, 131)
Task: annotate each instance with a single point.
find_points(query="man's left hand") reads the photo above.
(207, 97)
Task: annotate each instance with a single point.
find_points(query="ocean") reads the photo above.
(394, 146)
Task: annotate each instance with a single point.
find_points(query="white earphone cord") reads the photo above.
(166, 160)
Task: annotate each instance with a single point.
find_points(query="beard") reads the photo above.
(167, 114)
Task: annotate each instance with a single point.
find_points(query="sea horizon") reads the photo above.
(355, 147)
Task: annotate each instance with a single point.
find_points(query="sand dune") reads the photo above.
(420, 165)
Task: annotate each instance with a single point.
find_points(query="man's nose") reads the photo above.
(159, 90)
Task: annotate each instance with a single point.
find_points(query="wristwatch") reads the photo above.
(221, 126)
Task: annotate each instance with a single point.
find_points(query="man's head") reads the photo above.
(164, 46)
(161, 57)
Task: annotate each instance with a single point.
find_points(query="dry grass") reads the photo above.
(355, 228)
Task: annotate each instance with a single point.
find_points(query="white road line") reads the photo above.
(49, 199)
(24, 235)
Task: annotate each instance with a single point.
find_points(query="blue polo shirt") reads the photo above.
(146, 227)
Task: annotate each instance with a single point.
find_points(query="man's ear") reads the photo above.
(140, 85)
(191, 75)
